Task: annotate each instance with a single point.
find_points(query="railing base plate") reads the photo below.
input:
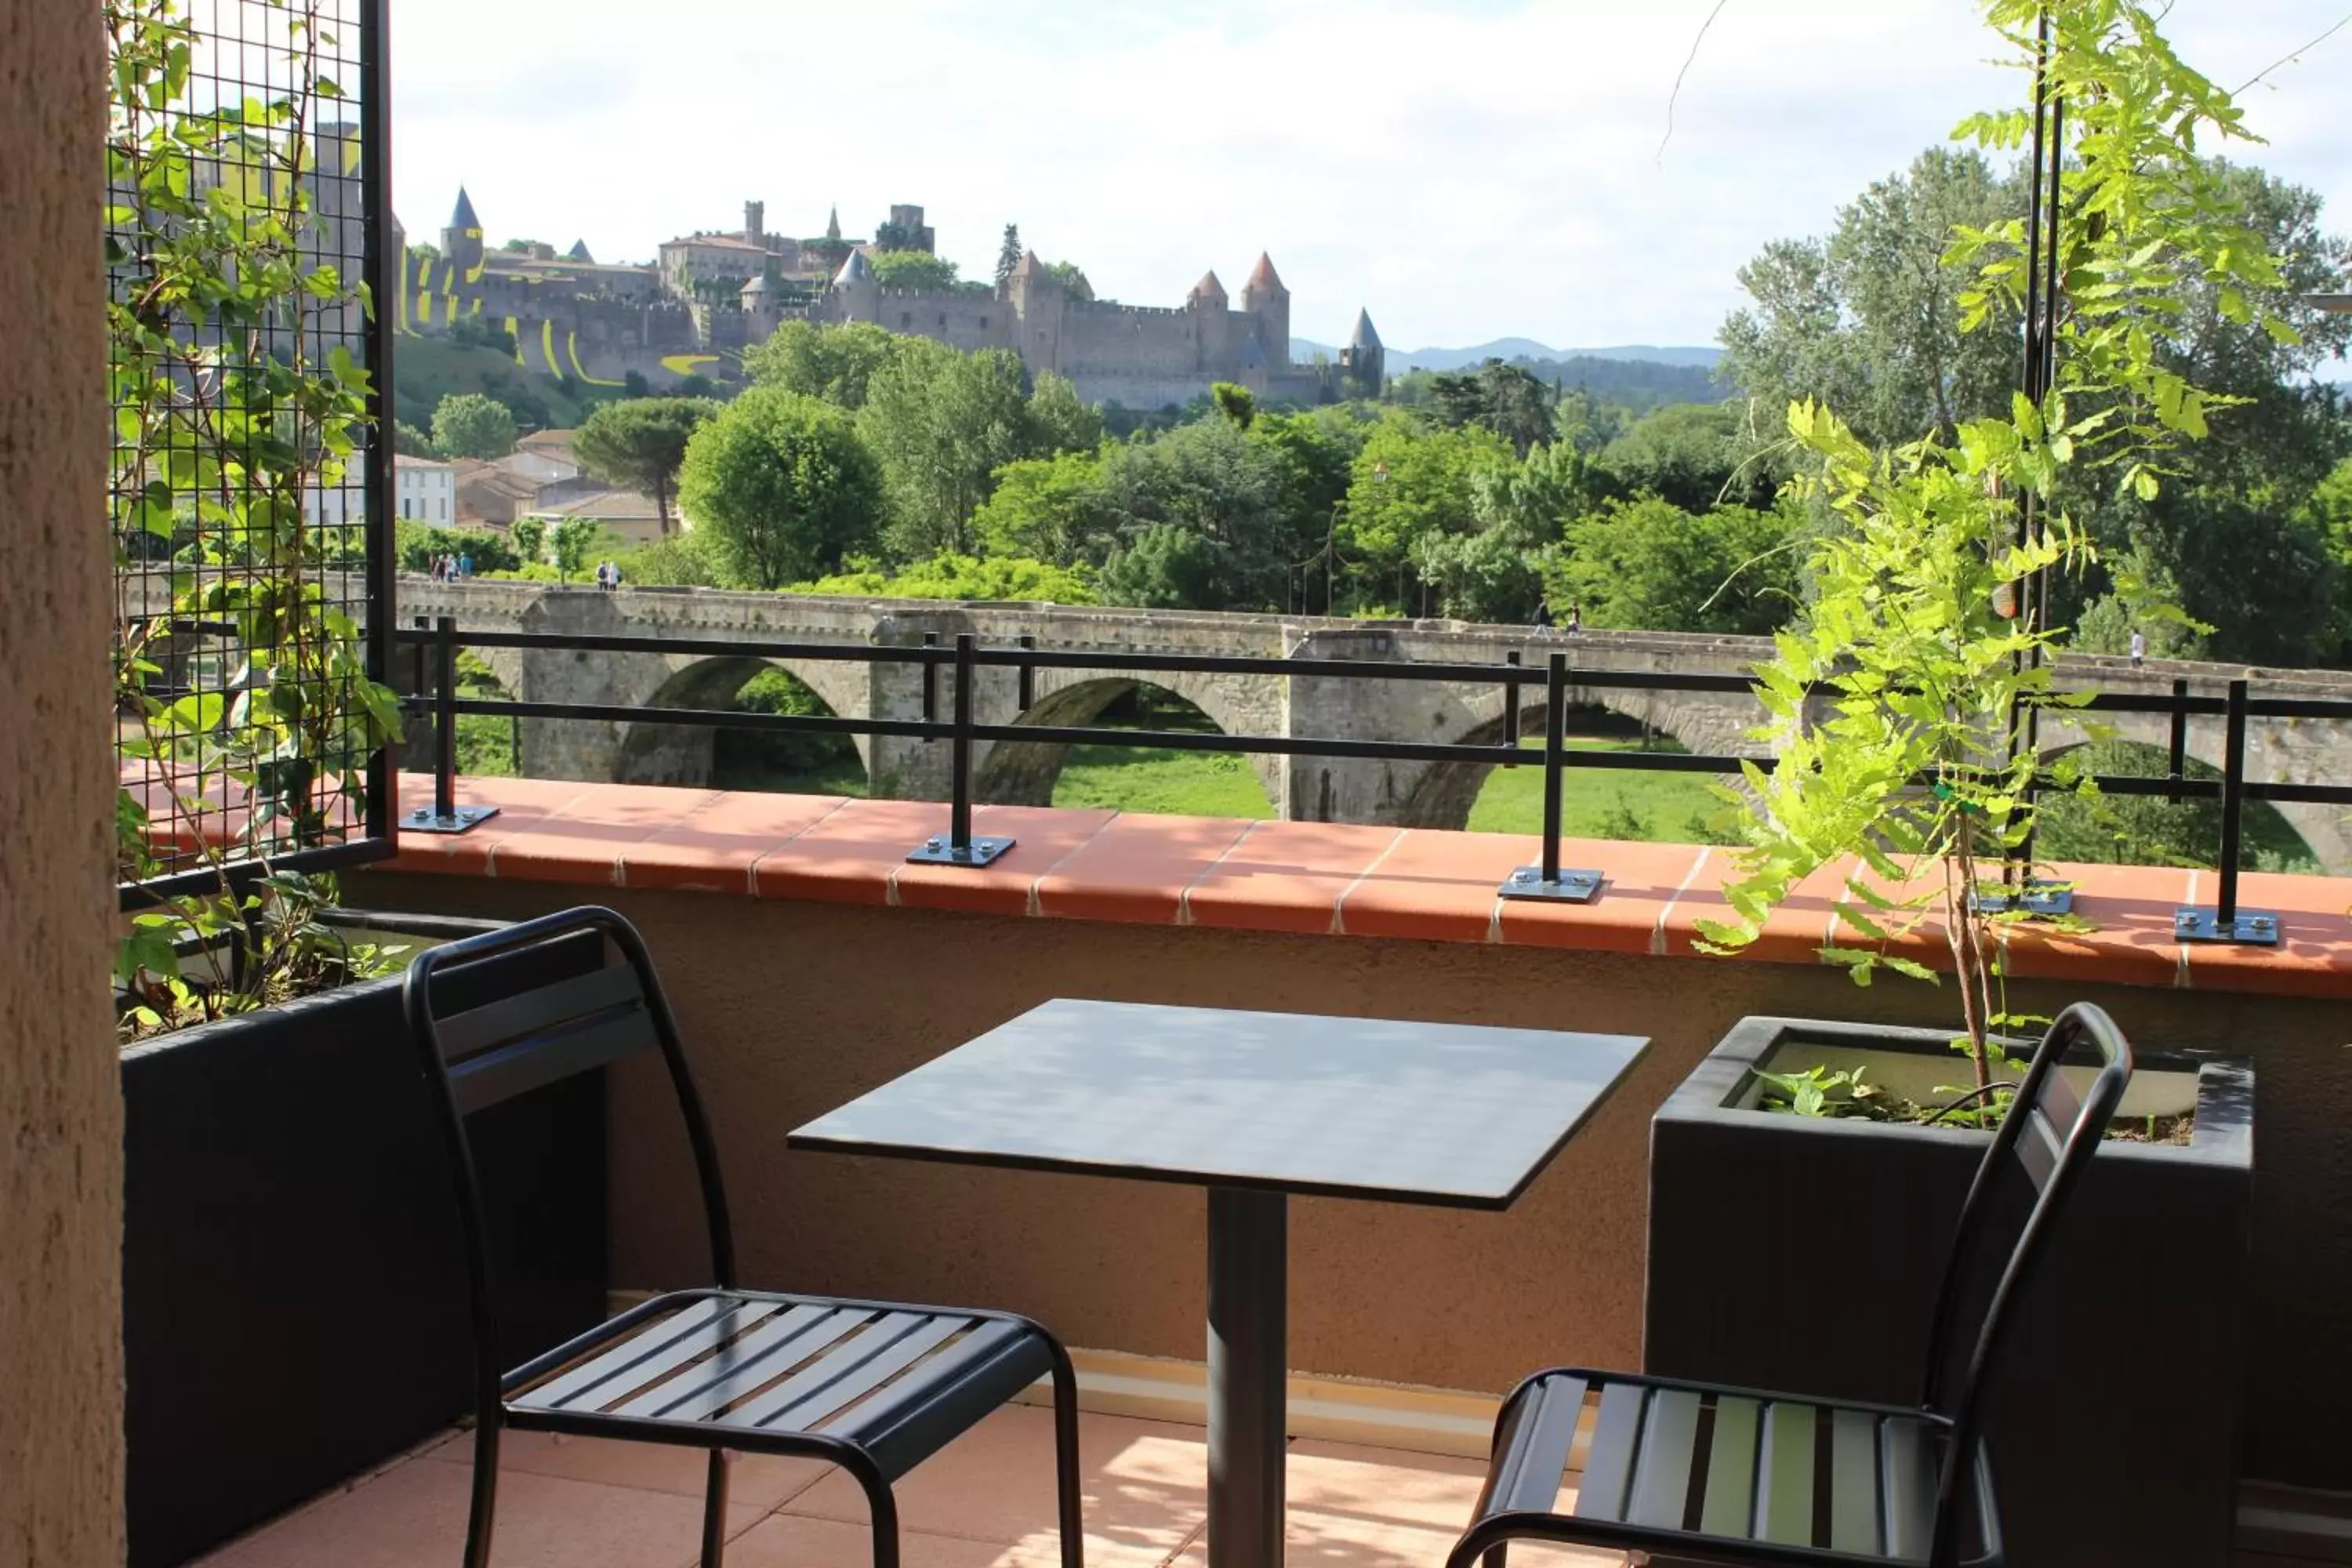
(2256, 928)
(1569, 887)
(424, 819)
(940, 851)
(2050, 899)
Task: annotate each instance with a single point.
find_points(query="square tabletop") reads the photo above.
(1455, 1114)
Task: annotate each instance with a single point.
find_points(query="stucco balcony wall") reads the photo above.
(805, 973)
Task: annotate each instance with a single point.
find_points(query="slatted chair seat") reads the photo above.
(875, 1387)
(896, 1382)
(1669, 1462)
(1700, 1472)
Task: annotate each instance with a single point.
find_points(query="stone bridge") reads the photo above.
(1308, 788)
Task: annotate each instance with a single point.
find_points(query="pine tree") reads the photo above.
(1008, 255)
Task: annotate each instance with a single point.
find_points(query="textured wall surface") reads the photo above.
(791, 1009)
(60, 1110)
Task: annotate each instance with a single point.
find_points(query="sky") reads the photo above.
(1466, 170)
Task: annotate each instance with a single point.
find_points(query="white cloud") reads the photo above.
(1466, 169)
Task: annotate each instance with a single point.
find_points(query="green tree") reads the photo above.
(1237, 403)
(468, 424)
(1058, 421)
(1008, 255)
(1051, 509)
(784, 484)
(1312, 453)
(1870, 315)
(942, 422)
(640, 442)
(1649, 565)
(530, 537)
(416, 544)
(836, 363)
(994, 579)
(410, 442)
(1406, 484)
(1694, 455)
(1505, 398)
(1209, 482)
(1519, 515)
(572, 539)
(913, 270)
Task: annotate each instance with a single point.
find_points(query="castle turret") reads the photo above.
(461, 241)
(833, 227)
(758, 299)
(1208, 294)
(1265, 296)
(858, 293)
(1363, 364)
(755, 226)
(1039, 303)
(579, 252)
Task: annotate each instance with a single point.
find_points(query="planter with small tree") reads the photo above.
(1805, 1178)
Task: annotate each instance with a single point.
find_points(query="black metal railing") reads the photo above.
(434, 648)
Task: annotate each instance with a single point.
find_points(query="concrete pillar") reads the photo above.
(60, 1096)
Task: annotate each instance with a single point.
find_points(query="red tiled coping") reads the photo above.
(1310, 878)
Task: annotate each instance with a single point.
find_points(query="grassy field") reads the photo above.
(1174, 783)
(1598, 802)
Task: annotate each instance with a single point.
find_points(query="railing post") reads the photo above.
(1028, 695)
(2174, 768)
(1511, 709)
(1548, 881)
(2226, 921)
(444, 815)
(960, 847)
(930, 684)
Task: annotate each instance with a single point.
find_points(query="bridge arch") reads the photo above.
(683, 753)
(1023, 772)
(1444, 792)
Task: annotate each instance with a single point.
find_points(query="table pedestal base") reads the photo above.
(1249, 1244)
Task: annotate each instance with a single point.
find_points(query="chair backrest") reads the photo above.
(511, 1010)
(2051, 1132)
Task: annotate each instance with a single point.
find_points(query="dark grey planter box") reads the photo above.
(1804, 1254)
(294, 1292)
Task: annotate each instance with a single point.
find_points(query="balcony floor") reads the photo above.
(986, 1501)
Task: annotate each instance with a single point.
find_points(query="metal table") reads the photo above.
(1254, 1107)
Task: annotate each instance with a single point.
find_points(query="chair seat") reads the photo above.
(1786, 1478)
(743, 1369)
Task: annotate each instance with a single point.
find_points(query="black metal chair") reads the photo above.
(875, 1387)
(1700, 1472)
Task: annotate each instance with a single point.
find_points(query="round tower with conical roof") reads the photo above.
(461, 241)
(858, 293)
(1363, 364)
(1265, 296)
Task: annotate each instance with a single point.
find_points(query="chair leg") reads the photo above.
(483, 1517)
(883, 1508)
(1067, 1486)
(714, 1509)
(1497, 1556)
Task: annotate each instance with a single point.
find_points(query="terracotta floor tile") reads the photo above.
(2313, 956)
(1286, 876)
(414, 1516)
(1643, 883)
(796, 1541)
(851, 855)
(1145, 1485)
(2130, 908)
(1043, 840)
(714, 847)
(1137, 869)
(583, 841)
(758, 1481)
(1427, 1491)
(521, 804)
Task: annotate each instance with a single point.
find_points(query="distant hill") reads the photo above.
(1398, 361)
